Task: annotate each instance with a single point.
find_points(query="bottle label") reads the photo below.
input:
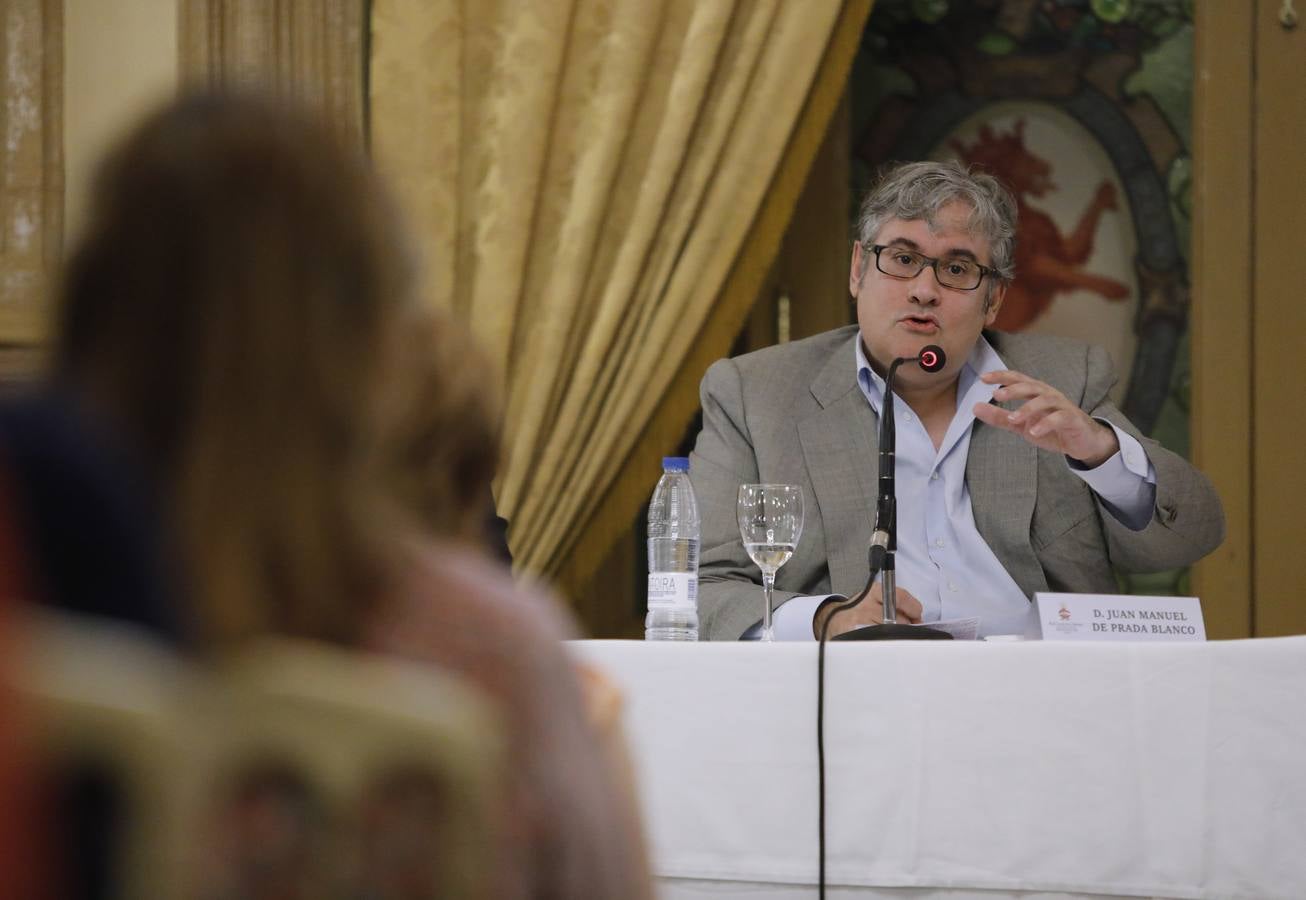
(672, 590)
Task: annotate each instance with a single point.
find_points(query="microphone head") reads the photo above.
(932, 358)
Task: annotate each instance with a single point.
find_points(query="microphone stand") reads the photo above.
(884, 540)
(881, 562)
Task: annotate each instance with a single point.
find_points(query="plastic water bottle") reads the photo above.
(673, 538)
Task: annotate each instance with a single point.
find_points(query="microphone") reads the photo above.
(932, 358)
(884, 539)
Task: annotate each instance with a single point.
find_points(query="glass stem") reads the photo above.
(768, 593)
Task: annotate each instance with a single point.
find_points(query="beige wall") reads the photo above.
(1249, 318)
(120, 58)
(1278, 327)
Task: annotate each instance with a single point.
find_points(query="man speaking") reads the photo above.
(1015, 472)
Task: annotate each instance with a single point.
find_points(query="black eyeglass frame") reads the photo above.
(932, 262)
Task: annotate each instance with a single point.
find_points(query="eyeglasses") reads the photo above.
(960, 273)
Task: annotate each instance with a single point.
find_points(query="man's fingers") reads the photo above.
(869, 612)
(1036, 419)
(1053, 423)
(995, 416)
(1016, 386)
(908, 606)
(874, 615)
(1005, 376)
(1034, 410)
(1023, 390)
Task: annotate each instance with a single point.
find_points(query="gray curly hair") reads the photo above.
(919, 190)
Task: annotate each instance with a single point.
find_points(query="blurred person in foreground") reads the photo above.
(25, 869)
(234, 311)
(439, 451)
(1015, 471)
(85, 515)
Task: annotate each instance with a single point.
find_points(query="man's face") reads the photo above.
(899, 316)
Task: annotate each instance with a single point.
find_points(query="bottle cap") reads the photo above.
(675, 464)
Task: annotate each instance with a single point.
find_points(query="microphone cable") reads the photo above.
(932, 359)
(838, 603)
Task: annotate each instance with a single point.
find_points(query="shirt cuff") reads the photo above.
(791, 622)
(1125, 482)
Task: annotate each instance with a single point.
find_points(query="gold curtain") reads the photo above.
(311, 50)
(583, 175)
(31, 191)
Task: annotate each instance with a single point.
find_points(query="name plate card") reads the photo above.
(1116, 617)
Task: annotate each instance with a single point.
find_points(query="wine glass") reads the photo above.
(770, 522)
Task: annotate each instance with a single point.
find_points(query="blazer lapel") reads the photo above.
(839, 449)
(1002, 475)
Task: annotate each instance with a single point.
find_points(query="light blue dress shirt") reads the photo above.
(942, 559)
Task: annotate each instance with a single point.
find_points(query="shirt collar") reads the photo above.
(983, 358)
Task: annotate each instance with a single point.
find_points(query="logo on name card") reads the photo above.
(1063, 623)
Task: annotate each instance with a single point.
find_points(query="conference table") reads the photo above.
(1017, 769)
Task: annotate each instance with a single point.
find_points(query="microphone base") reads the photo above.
(894, 632)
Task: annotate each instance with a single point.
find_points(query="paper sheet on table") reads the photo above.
(960, 629)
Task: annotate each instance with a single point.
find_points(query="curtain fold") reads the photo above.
(310, 50)
(583, 175)
(32, 187)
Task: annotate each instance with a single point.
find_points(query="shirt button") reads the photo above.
(952, 587)
(934, 476)
(907, 416)
(938, 542)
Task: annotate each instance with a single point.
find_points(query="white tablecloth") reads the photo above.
(1174, 770)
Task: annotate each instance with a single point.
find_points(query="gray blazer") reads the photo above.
(793, 414)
